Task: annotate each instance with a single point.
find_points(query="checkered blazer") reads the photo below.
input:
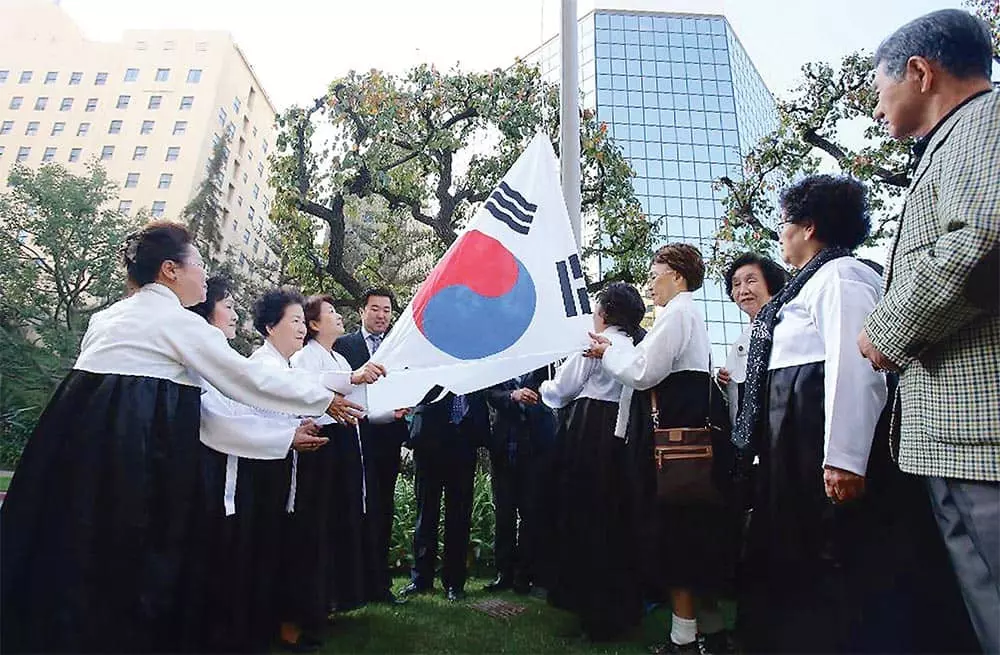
(939, 319)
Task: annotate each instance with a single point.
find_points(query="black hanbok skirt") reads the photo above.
(348, 571)
(244, 552)
(870, 575)
(603, 494)
(100, 531)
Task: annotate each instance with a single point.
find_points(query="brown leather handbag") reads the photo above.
(684, 462)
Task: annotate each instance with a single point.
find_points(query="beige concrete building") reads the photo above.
(148, 107)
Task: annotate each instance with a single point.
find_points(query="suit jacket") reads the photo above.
(431, 428)
(938, 319)
(386, 436)
(534, 427)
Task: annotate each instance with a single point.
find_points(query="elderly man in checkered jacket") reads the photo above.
(938, 323)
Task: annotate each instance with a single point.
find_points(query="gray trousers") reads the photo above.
(968, 513)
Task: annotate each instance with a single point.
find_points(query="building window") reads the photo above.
(255, 130)
(139, 154)
(239, 201)
(51, 77)
(187, 102)
(131, 180)
(246, 236)
(74, 154)
(123, 102)
(3, 76)
(131, 74)
(243, 260)
(256, 245)
(115, 127)
(236, 105)
(256, 190)
(107, 152)
(222, 117)
(100, 79)
(16, 101)
(41, 102)
(264, 146)
(125, 207)
(6, 127)
(162, 74)
(32, 129)
(22, 153)
(75, 78)
(250, 98)
(180, 128)
(173, 152)
(154, 102)
(91, 104)
(57, 128)
(250, 214)
(83, 129)
(230, 131)
(159, 207)
(165, 179)
(194, 75)
(244, 178)
(49, 155)
(25, 77)
(66, 104)
(260, 168)
(147, 127)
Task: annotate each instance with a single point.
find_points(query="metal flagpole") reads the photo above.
(569, 115)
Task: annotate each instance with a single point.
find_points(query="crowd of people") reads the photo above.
(837, 478)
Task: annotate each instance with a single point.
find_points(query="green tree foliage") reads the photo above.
(431, 146)
(59, 263)
(204, 212)
(825, 120)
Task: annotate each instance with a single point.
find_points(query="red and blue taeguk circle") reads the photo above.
(477, 301)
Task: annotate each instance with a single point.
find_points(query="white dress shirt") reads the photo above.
(678, 341)
(583, 377)
(821, 324)
(150, 334)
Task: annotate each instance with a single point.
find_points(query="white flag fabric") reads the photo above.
(507, 297)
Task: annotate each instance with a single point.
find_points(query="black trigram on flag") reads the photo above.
(510, 207)
(574, 300)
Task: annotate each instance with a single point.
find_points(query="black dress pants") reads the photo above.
(443, 471)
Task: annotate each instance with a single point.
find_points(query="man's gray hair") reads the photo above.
(955, 39)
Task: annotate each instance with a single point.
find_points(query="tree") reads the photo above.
(59, 263)
(432, 145)
(204, 211)
(814, 125)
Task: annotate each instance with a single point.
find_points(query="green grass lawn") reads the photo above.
(430, 624)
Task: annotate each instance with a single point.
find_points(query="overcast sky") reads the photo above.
(298, 46)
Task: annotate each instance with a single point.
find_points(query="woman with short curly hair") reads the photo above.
(810, 411)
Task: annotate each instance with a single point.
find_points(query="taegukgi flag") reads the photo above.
(507, 297)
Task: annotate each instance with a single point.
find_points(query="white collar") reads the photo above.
(367, 335)
(275, 352)
(160, 290)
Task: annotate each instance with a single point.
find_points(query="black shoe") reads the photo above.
(454, 594)
(412, 589)
(502, 583)
(719, 643)
(670, 648)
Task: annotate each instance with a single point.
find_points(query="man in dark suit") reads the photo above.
(520, 462)
(444, 437)
(380, 443)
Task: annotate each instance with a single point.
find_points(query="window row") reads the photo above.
(101, 78)
(154, 102)
(83, 129)
(663, 99)
(652, 76)
(660, 39)
(692, 25)
(173, 153)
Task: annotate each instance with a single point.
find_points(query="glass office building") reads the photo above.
(684, 103)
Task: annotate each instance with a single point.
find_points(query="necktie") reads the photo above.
(375, 340)
(459, 408)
